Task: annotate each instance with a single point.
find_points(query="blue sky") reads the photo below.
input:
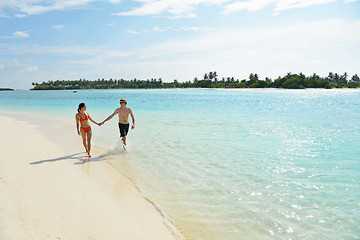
(43, 40)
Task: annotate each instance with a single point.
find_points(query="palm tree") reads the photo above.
(251, 76)
(355, 79)
(331, 75)
(343, 79)
(211, 76)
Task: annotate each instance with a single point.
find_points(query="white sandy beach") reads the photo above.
(49, 191)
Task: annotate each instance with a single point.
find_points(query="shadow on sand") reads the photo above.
(79, 157)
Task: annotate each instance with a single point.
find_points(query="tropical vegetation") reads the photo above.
(210, 80)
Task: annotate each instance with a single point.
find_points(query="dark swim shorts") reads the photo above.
(124, 129)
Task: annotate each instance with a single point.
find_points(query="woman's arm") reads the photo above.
(93, 120)
(77, 124)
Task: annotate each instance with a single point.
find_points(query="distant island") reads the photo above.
(210, 80)
(6, 89)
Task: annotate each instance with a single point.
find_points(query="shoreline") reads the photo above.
(190, 88)
(51, 190)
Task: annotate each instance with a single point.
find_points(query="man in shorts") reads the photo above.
(123, 112)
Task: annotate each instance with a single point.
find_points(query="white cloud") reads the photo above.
(196, 29)
(251, 5)
(295, 47)
(186, 15)
(18, 73)
(279, 5)
(315, 61)
(290, 4)
(32, 7)
(42, 6)
(132, 31)
(67, 51)
(32, 69)
(157, 29)
(20, 15)
(169, 8)
(180, 8)
(350, 1)
(58, 26)
(322, 33)
(19, 34)
(303, 47)
(21, 66)
(187, 29)
(172, 7)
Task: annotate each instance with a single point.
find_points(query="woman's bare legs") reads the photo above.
(83, 135)
(89, 135)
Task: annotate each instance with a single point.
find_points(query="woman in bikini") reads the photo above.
(82, 117)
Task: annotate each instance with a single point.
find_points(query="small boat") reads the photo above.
(74, 91)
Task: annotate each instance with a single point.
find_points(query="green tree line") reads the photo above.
(210, 80)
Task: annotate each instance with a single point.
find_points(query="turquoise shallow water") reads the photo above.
(232, 164)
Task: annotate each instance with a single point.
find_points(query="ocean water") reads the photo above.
(231, 164)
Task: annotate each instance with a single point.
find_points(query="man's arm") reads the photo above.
(110, 117)
(133, 119)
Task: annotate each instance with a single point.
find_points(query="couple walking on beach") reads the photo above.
(82, 120)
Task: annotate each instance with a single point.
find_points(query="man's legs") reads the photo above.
(124, 128)
(124, 140)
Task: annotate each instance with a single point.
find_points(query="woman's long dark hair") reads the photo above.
(81, 105)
